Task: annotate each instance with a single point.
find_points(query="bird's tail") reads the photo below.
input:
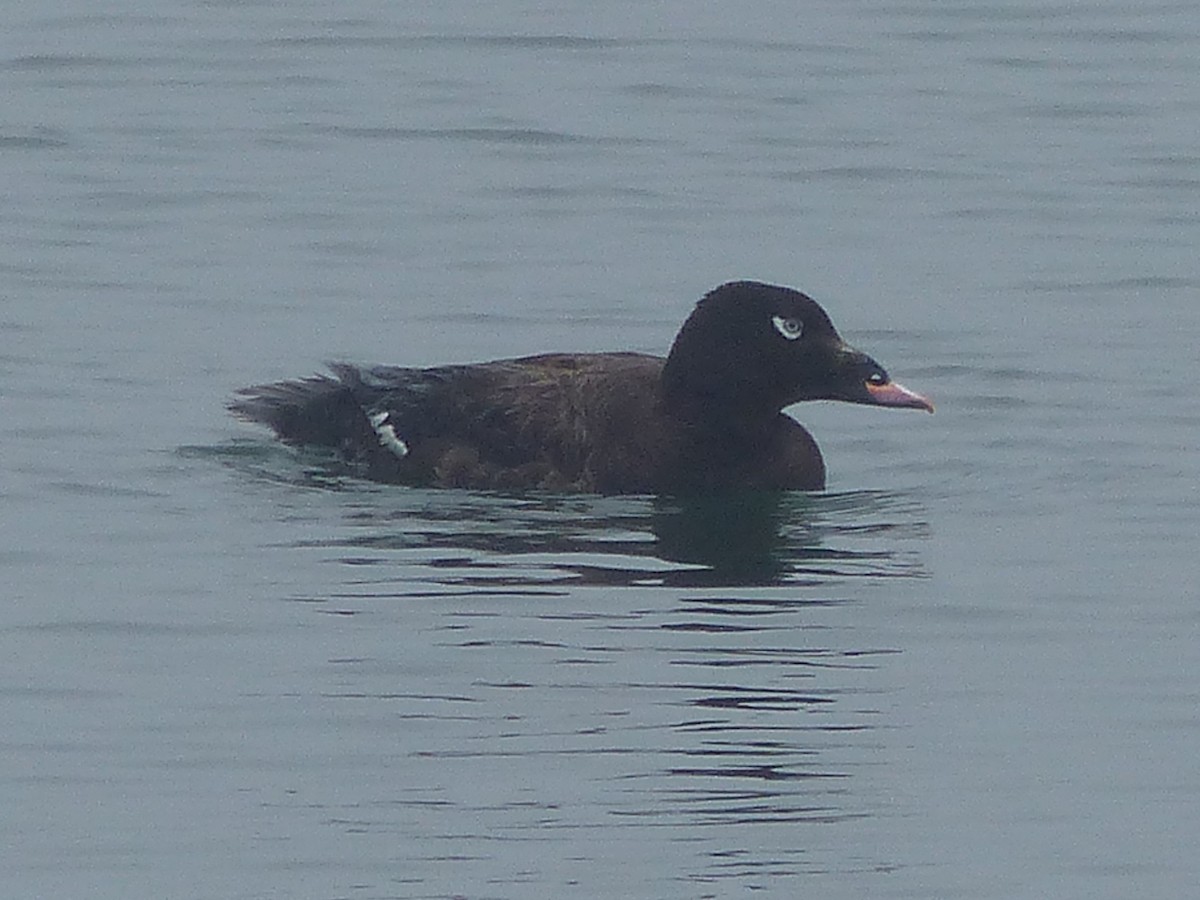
(320, 411)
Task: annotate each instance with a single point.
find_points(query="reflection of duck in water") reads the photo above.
(735, 535)
(708, 416)
(764, 537)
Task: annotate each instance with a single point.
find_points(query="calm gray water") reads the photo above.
(968, 670)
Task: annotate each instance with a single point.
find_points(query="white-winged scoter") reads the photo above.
(707, 417)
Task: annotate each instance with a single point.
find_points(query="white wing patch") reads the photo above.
(387, 434)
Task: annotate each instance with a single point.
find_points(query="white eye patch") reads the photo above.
(789, 328)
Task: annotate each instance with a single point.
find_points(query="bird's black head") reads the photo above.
(750, 348)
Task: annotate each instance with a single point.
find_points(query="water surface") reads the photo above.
(967, 670)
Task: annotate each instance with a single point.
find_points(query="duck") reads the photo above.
(707, 417)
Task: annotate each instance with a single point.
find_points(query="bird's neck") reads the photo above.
(719, 419)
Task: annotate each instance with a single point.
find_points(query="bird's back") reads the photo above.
(580, 422)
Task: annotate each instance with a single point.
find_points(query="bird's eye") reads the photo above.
(877, 378)
(789, 328)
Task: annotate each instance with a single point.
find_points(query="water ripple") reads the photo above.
(408, 542)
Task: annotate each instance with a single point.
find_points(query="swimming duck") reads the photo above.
(707, 417)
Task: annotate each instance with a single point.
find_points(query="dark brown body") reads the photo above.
(594, 423)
